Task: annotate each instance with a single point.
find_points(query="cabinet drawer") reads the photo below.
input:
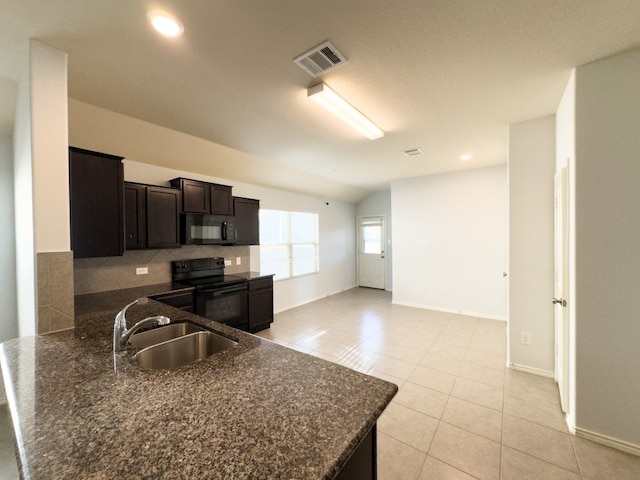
(260, 283)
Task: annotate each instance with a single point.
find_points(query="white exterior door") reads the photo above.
(561, 290)
(371, 261)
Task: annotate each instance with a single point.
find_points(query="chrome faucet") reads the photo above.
(121, 334)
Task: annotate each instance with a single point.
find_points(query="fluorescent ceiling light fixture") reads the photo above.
(330, 100)
(165, 23)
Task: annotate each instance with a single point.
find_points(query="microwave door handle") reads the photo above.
(224, 230)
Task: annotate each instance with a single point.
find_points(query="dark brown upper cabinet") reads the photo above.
(163, 221)
(196, 196)
(152, 216)
(203, 197)
(246, 212)
(135, 216)
(221, 200)
(96, 191)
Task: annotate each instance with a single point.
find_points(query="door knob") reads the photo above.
(561, 301)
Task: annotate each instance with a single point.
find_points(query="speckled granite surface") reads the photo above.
(258, 410)
(250, 275)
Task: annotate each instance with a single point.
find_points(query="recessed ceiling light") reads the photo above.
(465, 157)
(165, 23)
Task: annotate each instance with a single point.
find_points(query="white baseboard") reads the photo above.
(608, 441)
(348, 287)
(320, 297)
(450, 310)
(534, 371)
(570, 425)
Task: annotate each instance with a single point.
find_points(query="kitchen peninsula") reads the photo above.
(258, 410)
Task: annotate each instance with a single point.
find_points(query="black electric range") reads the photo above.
(218, 297)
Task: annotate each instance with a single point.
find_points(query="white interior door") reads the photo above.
(371, 262)
(562, 284)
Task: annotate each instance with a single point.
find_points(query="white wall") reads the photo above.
(450, 241)
(9, 317)
(379, 203)
(608, 247)
(565, 157)
(41, 178)
(50, 154)
(531, 243)
(23, 194)
(337, 224)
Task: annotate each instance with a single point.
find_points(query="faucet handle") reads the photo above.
(161, 319)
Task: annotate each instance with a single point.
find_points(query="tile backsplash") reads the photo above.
(93, 275)
(55, 291)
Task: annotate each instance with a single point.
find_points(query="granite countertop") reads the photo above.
(250, 275)
(258, 410)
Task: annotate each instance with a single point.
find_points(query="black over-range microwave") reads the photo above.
(202, 229)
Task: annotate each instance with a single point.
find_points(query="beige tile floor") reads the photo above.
(459, 413)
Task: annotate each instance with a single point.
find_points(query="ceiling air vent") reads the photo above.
(413, 152)
(320, 59)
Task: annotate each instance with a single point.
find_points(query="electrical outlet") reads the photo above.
(142, 270)
(525, 338)
(227, 263)
(238, 261)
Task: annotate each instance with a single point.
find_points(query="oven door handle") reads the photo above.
(217, 292)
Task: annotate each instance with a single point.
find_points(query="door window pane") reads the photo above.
(372, 239)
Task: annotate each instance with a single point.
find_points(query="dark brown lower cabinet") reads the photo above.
(151, 216)
(362, 464)
(260, 298)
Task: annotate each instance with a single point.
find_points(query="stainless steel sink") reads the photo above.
(162, 334)
(182, 350)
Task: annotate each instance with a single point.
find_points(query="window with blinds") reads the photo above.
(289, 243)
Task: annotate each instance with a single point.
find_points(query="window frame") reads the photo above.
(290, 244)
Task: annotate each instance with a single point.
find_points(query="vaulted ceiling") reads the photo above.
(447, 77)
